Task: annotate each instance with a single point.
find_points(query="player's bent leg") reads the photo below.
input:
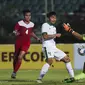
(44, 69)
(69, 68)
(18, 63)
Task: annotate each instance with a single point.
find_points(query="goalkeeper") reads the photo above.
(68, 28)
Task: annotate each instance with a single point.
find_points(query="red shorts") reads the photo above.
(21, 46)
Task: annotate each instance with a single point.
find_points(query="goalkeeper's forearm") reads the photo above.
(68, 28)
(77, 35)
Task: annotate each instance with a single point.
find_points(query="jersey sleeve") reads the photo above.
(45, 28)
(17, 27)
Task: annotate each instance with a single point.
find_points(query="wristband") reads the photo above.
(71, 30)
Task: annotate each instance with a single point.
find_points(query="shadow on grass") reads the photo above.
(33, 82)
(30, 82)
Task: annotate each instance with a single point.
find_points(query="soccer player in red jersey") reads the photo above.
(23, 31)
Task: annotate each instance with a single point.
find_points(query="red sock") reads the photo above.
(17, 65)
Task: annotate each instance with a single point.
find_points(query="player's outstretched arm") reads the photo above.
(68, 28)
(77, 35)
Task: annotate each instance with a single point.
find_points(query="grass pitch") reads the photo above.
(28, 77)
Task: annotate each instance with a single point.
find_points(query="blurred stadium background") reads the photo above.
(72, 11)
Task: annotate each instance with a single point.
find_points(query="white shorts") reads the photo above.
(53, 52)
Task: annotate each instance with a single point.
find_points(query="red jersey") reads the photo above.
(24, 30)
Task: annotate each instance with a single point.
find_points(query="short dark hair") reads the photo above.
(25, 11)
(50, 14)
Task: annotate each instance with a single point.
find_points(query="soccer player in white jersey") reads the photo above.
(49, 32)
(68, 28)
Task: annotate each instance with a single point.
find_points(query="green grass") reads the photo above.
(28, 77)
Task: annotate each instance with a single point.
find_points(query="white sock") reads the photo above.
(44, 70)
(70, 69)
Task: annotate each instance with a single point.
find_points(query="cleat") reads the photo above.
(69, 80)
(80, 76)
(39, 81)
(72, 79)
(13, 75)
(65, 80)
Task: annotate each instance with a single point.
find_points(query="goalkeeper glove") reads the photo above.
(67, 27)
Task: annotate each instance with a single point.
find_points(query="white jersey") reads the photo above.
(49, 46)
(50, 30)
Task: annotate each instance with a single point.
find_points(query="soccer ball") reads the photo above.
(81, 50)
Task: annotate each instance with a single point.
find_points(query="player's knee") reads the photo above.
(19, 58)
(66, 59)
(49, 61)
(21, 55)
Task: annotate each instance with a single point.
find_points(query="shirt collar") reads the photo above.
(51, 23)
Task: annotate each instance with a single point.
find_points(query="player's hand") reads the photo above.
(67, 27)
(39, 39)
(58, 35)
(16, 33)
